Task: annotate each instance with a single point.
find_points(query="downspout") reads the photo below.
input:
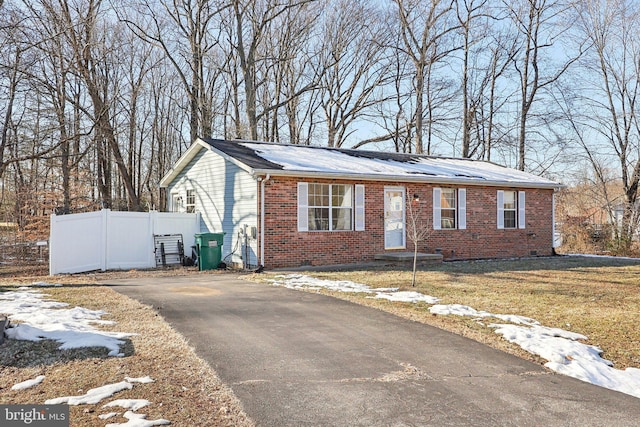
(262, 183)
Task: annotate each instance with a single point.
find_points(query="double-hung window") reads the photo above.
(449, 208)
(176, 203)
(330, 207)
(190, 205)
(511, 209)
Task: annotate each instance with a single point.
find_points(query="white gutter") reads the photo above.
(423, 178)
(262, 183)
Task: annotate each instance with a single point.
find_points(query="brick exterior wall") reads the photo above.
(286, 247)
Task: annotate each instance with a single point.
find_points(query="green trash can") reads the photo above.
(209, 247)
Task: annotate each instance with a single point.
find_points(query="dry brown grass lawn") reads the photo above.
(597, 297)
(186, 390)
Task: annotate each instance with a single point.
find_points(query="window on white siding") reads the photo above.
(176, 203)
(449, 208)
(190, 205)
(326, 207)
(511, 209)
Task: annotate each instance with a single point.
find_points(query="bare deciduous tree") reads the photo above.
(540, 25)
(424, 27)
(611, 101)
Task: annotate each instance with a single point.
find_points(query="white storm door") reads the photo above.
(394, 226)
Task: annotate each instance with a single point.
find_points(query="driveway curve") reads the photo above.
(301, 359)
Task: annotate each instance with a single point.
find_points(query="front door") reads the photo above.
(394, 235)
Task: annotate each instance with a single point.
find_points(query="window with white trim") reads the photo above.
(176, 203)
(449, 208)
(511, 209)
(190, 205)
(330, 207)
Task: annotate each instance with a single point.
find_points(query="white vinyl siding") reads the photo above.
(226, 196)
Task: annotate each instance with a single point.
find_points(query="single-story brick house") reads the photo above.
(284, 205)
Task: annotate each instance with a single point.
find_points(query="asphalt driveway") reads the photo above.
(300, 359)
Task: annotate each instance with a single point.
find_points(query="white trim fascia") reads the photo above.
(405, 178)
(188, 155)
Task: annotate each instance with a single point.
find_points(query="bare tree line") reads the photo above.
(98, 98)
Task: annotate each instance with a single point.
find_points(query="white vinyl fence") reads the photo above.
(107, 240)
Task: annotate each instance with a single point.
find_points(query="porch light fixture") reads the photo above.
(416, 198)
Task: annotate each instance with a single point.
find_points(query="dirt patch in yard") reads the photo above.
(185, 391)
(195, 290)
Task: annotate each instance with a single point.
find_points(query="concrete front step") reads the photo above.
(407, 257)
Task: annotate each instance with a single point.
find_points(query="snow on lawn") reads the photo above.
(405, 296)
(28, 383)
(139, 420)
(133, 404)
(92, 396)
(300, 281)
(98, 394)
(565, 354)
(73, 328)
(46, 319)
(465, 310)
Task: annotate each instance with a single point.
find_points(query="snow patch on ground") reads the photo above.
(132, 404)
(142, 380)
(465, 310)
(93, 396)
(301, 281)
(28, 383)
(139, 420)
(45, 319)
(565, 354)
(406, 296)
